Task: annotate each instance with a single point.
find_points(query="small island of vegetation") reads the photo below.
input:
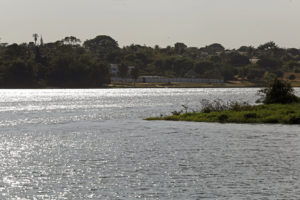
(280, 105)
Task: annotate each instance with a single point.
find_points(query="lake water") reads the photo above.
(94, 144)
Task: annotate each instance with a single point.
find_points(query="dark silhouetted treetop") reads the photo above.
(293, 51)
(237, 59)
(71, 40)
(269, 63)
(180, 47)
(267, 46)
(216, 47)
(101, 42)
(35, 37)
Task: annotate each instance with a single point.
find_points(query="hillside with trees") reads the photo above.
(70, 63)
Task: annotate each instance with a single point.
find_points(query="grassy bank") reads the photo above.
(267, 113)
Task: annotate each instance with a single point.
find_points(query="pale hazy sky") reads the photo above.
(195, 22)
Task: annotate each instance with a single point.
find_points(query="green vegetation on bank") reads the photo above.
(268, 113)
(280, 106)
(71, 63)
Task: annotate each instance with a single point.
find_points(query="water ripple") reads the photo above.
(82, 144)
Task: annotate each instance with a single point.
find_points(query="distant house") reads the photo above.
(253, 60)
(229, 51)
(114, 69)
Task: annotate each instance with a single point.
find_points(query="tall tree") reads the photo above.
(71, 40)
(102, 45)
(134, 75)
(35, 37)
(123, 70)
(180, 47)
(101, 42)
(41, 41)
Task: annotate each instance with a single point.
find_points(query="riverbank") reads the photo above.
(266, 113)
(230, 84)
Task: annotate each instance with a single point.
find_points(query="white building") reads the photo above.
(254, 60)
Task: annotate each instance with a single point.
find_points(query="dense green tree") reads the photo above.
(203, 66)
(15, 51)
(67, 63)
(71, 40)
(19, 74)
(269, 63)
(134, 73)
(182, 66)
(123, 70)
(291, 65)
(213, 74)
(180, 47)
(267, 46)
(228, 73)
(255, 73)
(293, 51)
(101, 42)
(214, 48)
(102, 46)
(216, 59)
(238, 60)
(279, 91)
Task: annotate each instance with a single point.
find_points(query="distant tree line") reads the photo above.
(69, 63)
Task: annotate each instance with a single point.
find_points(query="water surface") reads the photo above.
(93, 144)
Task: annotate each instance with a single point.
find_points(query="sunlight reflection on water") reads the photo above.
(93, 144)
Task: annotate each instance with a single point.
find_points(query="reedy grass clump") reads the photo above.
(218, 106)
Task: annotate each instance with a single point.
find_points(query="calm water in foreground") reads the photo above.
(93, 144)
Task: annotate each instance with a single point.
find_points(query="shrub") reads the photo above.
(250, 115)
(223, 118)
(292, 119)
(292, 77)
(289, 112)
(271, 119)
(278, 92)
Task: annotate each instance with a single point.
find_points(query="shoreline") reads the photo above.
(258, 114)
(119, 85)
(230, 84)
